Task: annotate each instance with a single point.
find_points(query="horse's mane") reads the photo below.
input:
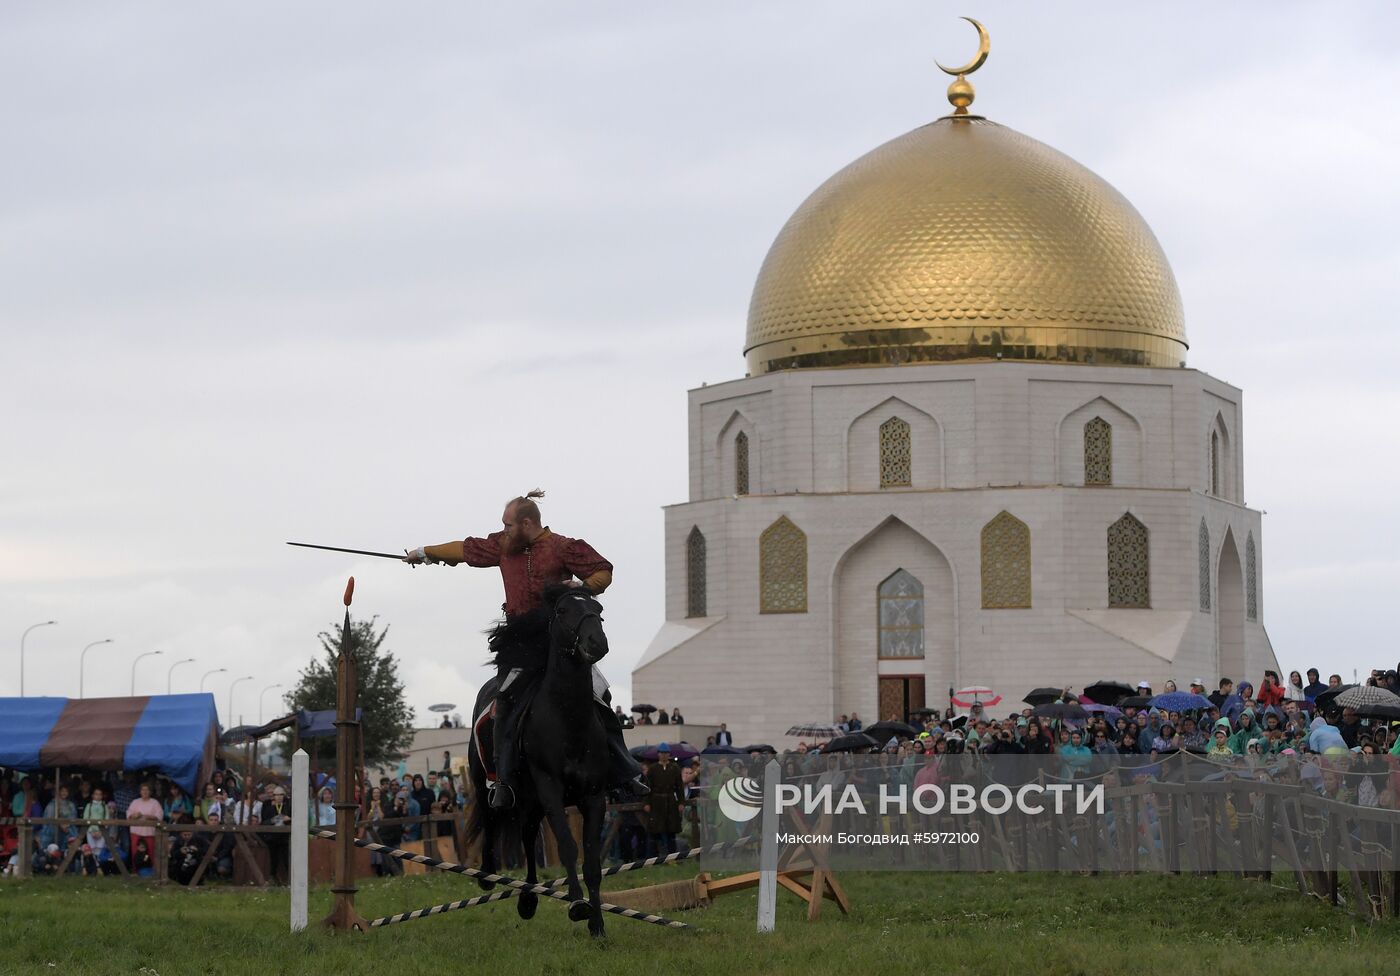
(522, 641)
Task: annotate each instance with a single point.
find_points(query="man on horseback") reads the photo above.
(531, 558)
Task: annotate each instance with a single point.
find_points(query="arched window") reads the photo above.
(1127, 564)
(1006, 563)
(1098, 452)
(1203, 544)
(1214, 462)
(1251, 579)
(782, 568)
(896, 456)
(901, 599)
(695, 573)
(741, 464)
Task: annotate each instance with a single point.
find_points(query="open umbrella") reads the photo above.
(761, 747)
(1379, 710)
(1061, 710)
(1180, 701)
(1364, 695)
(850, 743)
(680, 752)
(1108, 692)
(1136, 701)
(1327, 700)
(722, 751)
(644, 709)
(887, 730)
(1109, 712)
(1043, 696)
(816, 730)
(975, 695)
(923, 713)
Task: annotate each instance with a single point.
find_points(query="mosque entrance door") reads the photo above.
(900, 695)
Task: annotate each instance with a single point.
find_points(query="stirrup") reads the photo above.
(502, 796)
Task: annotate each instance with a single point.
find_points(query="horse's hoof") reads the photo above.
(595, 929)
(486, 885)
(526, 904)
(579, 910)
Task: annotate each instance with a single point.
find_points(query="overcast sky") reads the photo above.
(356, 273)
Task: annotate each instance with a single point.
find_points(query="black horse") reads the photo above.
(563, 750)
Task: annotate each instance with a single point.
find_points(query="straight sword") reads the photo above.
(357, 552)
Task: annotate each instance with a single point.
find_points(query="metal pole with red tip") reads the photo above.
(343, 917)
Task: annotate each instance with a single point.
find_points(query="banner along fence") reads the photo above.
(1177, 814)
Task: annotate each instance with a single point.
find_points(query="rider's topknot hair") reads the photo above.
(525, 507)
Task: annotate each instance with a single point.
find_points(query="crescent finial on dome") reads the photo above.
(960, 92)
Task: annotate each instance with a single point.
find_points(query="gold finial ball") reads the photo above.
(960, 95)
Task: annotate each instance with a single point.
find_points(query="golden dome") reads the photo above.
(964, 239)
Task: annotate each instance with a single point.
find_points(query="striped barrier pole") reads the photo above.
(519, 886)
(453, 906)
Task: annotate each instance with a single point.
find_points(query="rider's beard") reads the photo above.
(512, 542)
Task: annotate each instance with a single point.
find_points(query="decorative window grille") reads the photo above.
(695, 573)
(1006, 563)
(1203, 555)
(1251, 579)
(1214, 463)
(901, 616)
(782, 568)
(741, 464)
(1098, 452)
(1128, 564)
(896, 455)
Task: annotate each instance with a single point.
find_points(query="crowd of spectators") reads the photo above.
(1276, 730)
(222, 800)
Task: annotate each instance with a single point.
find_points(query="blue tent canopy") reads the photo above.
(172, 734)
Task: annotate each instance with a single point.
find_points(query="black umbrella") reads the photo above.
(1108, 692)
(886, 730)
(1136, 701)
(722, 751)
(850, 743)
(644, 709)
(761, 747)
(1379, 710)
(1043, 696)
(923, 712)
(1060, 710)
(1327, 700)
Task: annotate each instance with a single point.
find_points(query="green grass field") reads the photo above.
(902, 923)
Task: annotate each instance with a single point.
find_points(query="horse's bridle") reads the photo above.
(573, 647)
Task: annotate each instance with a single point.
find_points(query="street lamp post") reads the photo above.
(207, 674)
(46, 623)
(133, 668)
(83, 657)
(236, 681)
(261, 694)
(171, 673)
(260, 700)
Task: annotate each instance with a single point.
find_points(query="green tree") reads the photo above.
(387, 719)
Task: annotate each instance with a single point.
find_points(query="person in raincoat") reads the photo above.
(1220, 741)
(1239, 742)
(1075, 757)
(1325, 739)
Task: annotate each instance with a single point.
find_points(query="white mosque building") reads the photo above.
(968, 450)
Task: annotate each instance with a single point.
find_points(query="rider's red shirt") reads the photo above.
(549, 559)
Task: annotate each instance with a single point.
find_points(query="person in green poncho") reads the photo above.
(1220, 740)
(1239, 742)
